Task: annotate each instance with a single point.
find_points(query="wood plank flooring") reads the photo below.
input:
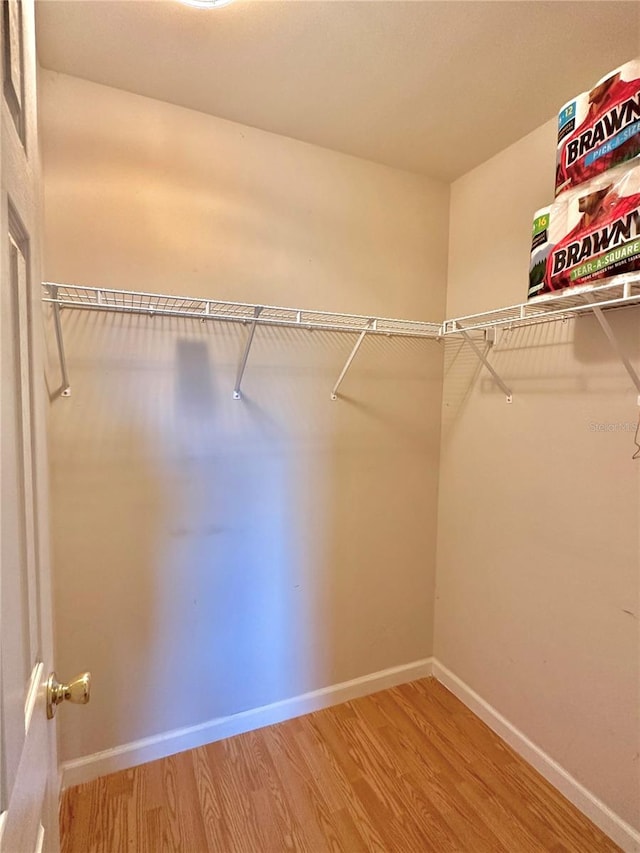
(406, 770)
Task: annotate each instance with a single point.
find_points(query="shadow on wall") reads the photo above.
(213, 555)
(176, 534)
(225, 592)
(592, 345)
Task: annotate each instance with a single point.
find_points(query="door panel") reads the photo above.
(28, 772)
(18, 614)
(24, 830)
(15, 621)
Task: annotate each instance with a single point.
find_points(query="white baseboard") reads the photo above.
(617, 829)
(168, 743)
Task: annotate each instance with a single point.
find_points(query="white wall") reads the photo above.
(537, 600)
(213, 556)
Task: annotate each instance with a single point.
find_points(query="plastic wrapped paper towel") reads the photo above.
(588, 234)
(599, 129)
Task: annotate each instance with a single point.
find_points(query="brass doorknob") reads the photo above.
(78, 691)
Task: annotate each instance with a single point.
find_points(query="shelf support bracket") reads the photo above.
(237, 395)
(65, 389)
(361, 337)
(504, 388)
(615, 344)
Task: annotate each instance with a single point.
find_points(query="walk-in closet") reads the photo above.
(319, 426)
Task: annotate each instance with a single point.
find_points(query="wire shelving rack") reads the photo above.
(65, 296)
(620, 291)
(625, 290)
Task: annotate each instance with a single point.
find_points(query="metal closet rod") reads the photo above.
(62, 296)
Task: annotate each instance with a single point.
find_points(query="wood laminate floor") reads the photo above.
(407, 770)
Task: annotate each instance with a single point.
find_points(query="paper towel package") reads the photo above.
(599, 129)
(588, 234)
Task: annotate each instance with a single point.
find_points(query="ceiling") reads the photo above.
(432, 87)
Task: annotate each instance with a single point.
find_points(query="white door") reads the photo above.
(28, 774)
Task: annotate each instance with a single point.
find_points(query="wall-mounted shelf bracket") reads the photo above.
(361, 337)
(490, 338)
(65, 388)
(237, 395)
(615, 344)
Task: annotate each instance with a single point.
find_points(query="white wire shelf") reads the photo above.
(623, 290)
(155, 304)
(614, 293)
